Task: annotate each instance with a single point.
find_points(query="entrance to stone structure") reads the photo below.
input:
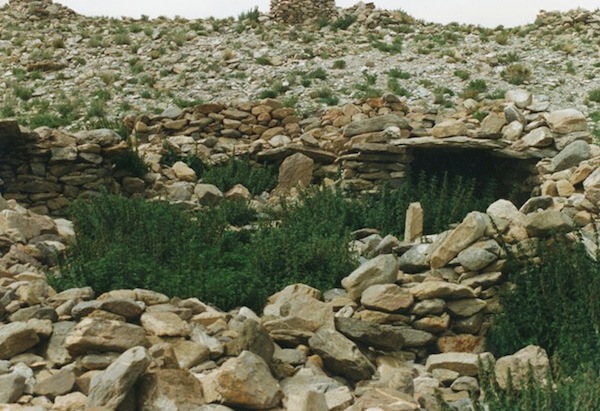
(514, 179)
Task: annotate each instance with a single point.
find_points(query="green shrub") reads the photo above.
(394, 47)
(22, 92)
(130, 162)
(398, 74)
(477, 86)
(339, 64)
(578, 392)
(48, 120)
(445, 200)
(497, 94)
(594, 95)
(239, 171)
(263, 60)
(510, 57)
(326, 96)
(516, 74)
(480, 115)
(310, 244)
(121, 39)
(553, 304)
(267, 93)
(396, 88)
(250, 15)
(127, 243)
(342, 23)
(318, 73)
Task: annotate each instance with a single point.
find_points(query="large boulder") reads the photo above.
(592, 187)
(184, 172)
(16, 338)
(460, 362)
(103, 137)
(566, 121)
(546, 222)
(109, 388)
(12, 387)
(341, 355)
(170, 390)
(386, 297)
(164, 324)
(466, 233)
(96, 334)
(570, 156)
(244, 381)
(382, 269)
(385, 337)
(449, 128)
(296, 171)
(518, 366)
(416, 259)
(441, 289)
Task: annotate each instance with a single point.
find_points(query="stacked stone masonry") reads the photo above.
(46, 170)
(300, 11)
(409, 322)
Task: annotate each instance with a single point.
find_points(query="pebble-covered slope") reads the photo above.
(75, 71)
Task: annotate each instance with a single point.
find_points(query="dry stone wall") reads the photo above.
(367, 143)
(299, 11)
(46, 170)
(410, 320)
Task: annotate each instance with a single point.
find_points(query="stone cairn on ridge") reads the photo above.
(300, 11)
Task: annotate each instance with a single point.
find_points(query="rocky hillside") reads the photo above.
(62, 69)
(406, 329)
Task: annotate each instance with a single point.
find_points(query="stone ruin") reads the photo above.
(410, 322)
(299, 11)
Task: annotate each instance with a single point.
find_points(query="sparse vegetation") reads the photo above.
(594, 95)
(344, 22)
(339, 64)
(325, 96)
(263, 60)
(516, 74)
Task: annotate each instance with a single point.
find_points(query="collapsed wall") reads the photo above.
(299, 11)
(46, 170)
(363, 145)
(410, 321)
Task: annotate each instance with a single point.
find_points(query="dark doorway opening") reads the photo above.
(508, 178)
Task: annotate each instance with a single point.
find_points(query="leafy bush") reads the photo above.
(342, 23)
(339, 64)
(128, 243)
(445, 200)
(396, 88)
(474, 88)
(130, 162)
(462, 74)
(310, 244)
(594, 95)
(47, 119)
(398, 74)
(251, 15)
(578, 392)
(325, 96)
(194, 162)
(255, 178)
(263, 61)
(394, 47)
(125, 243)
(516, 74)
(553, 304)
